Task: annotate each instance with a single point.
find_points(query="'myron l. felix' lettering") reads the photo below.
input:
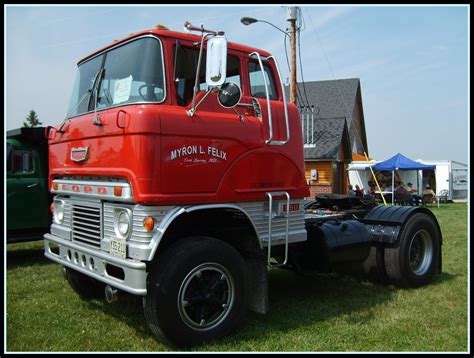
(197, 150)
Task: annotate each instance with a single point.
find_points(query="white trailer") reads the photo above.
(450, 175)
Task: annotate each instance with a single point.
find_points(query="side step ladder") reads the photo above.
(272, 195)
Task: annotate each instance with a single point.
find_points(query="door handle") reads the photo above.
(123, 119)
(32, 185)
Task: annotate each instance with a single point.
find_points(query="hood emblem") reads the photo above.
(79, 154)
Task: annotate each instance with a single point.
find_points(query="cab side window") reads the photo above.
(257, 82)
(186, 61)
(20, 161)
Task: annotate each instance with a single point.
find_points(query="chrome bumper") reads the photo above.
(93, 263)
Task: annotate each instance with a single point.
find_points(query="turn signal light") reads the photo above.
(148, 223)
(55, 186)
(117, 190)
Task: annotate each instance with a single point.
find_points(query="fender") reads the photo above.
(178, 211)
(385, 223)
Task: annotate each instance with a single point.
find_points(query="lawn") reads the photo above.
(323, 313)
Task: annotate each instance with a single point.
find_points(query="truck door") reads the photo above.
(27, 200)
(197, 150)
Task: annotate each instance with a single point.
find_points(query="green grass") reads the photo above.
(323, 313)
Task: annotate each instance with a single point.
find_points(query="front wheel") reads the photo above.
(86, 287)
(196, 292)
(415, 260)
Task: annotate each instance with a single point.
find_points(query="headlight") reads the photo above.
(58, 213)
(122, 222)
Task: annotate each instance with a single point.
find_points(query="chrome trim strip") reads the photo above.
(177, 211)
(127, 195)
(254, 211)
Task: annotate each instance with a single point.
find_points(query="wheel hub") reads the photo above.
(420, 252)
(205, 296)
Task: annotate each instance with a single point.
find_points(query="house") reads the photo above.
(333, 132)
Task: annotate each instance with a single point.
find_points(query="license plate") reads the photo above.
(118, 246)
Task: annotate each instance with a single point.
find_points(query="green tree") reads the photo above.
(32, 120)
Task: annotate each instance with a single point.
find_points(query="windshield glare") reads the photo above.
(132, 73)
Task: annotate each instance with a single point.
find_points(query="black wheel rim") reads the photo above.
(420, 252)
(206, 296)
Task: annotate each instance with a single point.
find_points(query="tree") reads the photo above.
(32, 120)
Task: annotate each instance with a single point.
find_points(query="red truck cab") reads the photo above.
(149, 140)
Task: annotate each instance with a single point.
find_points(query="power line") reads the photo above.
(337, 83)
(301, 67)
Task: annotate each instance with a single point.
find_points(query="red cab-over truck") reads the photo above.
(178, 175)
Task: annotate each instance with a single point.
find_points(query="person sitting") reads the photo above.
(401, 194)
(428, 190)
(413, 197)
(350, 191)
(359, 192)
(371, 190)
(371, 195)
(428, 195)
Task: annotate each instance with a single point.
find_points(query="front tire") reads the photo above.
(86, 287)
(196, 292)
(414, 261)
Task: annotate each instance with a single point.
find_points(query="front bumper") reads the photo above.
(95, 263)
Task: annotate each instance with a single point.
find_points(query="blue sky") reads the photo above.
(412, 61)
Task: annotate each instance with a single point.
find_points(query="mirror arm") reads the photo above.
(195, 89)
(193, 110)
(241, 116)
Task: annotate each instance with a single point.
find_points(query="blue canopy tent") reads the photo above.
(400, 162)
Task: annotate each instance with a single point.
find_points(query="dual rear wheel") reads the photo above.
(415, 258)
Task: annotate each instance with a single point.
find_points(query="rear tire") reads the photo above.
(414, 261)
(374, 266)
(86, 287)
(197, 291)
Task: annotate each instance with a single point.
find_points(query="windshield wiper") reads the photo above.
(88, 92)
(101, 74)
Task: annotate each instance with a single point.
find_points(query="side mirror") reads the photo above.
(229, 95)
(216, 63)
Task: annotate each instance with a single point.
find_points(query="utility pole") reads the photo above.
(291, 17)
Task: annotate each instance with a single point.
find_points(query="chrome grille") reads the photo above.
(86, 224)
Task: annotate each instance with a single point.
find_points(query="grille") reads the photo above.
(86, 224)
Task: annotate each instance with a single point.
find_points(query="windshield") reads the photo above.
(132, 73)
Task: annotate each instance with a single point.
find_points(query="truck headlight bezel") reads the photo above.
(58, 213)
(122, 222)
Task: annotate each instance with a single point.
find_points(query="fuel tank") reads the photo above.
(332, 244)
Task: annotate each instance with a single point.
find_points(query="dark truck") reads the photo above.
(28, 197)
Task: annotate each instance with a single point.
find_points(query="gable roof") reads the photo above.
(328, 136)
(334, 99)
(327, 96)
